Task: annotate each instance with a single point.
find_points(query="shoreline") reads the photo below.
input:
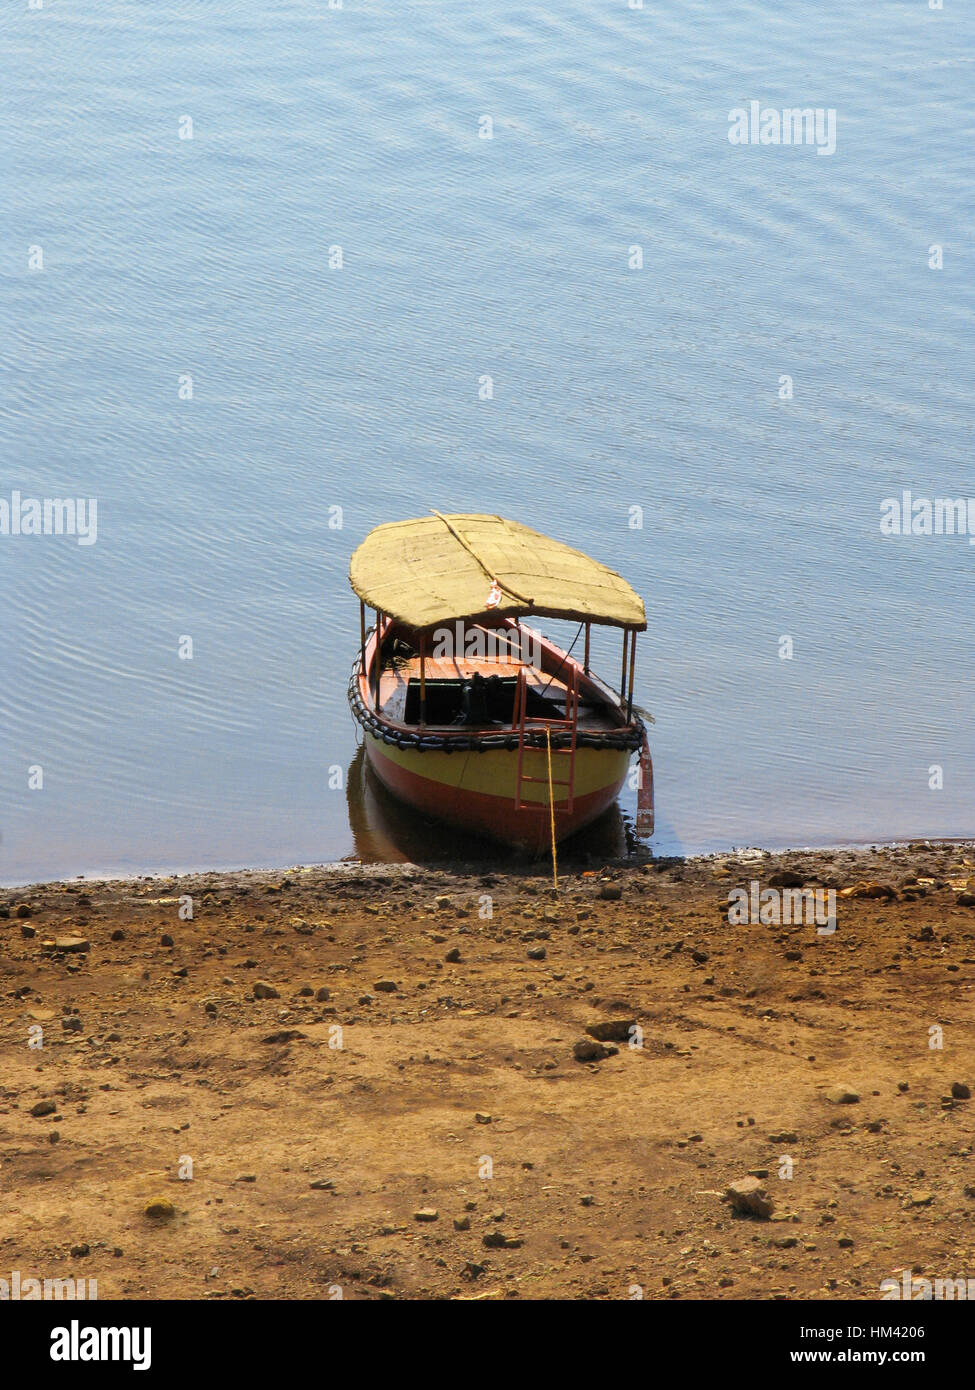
(461, 867)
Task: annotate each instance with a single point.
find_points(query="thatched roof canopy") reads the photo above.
(438, 569)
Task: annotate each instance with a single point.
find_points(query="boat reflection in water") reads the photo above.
(387, 831)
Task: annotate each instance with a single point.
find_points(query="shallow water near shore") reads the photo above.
(358, 388)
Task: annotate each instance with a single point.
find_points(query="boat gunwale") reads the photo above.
(487, 738)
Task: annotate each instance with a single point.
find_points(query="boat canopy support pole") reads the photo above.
(377, 658)
(585, 660)
(629, 702)
(362, 638)
(423, 680)
(626, 634)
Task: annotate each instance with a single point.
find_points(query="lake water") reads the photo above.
(134, 259)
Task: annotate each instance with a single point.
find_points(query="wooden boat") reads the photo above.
(469, 715)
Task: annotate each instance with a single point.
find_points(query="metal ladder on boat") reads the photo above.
(570, 723)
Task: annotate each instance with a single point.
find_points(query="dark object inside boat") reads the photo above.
(396, 652)
(477, 697)
(477, 702)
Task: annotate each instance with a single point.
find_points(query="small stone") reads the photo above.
(159, 1209)
(920, 1199)
(588, 1050)
(385, 986)
(166, 939)
(262, 990)
(865, 889)
(453, 955)
(323, 994)
(118, 934)
(612, 1030)
(497, 1240)
(749, 1198)
(960, 1091)
(71, 945)
(27, 931)
(784, 1136)
(786, 878)
(78, 1252)
(426, 1214)
(842, 1095)
(845, 1242)
(587, 1200)
(43, 1107)
(482, 1117)
(71, 1024)
(24, 911)
(322, 1185)
(462, 1223)
(536, 953)
(610, 892)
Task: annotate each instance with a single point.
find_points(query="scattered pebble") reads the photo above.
(748, 1197)
(612, 1030)
(588, 1050)
(159, 1209)
(842, 1095)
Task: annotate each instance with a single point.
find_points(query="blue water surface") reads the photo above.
(356, 134)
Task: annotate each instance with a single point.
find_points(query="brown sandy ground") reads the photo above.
(310, 1161)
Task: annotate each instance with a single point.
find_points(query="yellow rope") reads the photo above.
(551, 808)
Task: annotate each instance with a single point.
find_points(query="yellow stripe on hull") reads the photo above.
(494, 773)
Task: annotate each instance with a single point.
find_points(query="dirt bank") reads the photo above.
(338, 1140)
